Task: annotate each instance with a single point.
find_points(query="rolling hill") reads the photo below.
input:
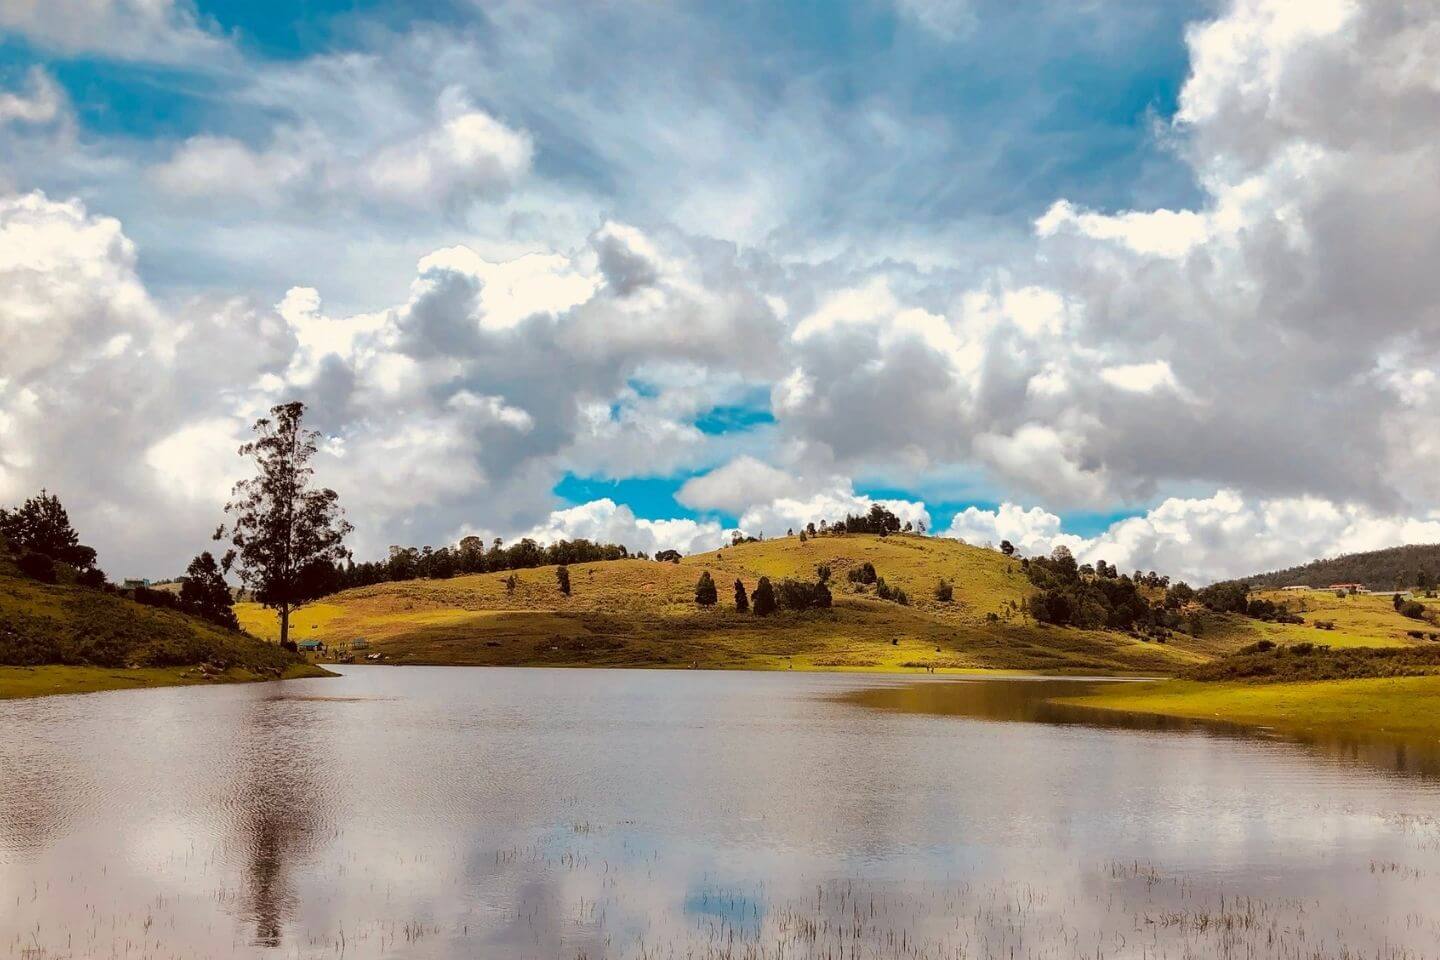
(1377, 569)
(643, 613)
(64, 638)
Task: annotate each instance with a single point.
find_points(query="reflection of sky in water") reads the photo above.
(518, 813)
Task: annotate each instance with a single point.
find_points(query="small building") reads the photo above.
(309, 646)
(1347, 587)
(1297, 586)
(359, 643)
(132, 583)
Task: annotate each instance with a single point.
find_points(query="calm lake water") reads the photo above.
(454, 812)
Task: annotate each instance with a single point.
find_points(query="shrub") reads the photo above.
(822, 573)
(742, 601)
(1413, 609)
(865, 573)
(668, 556)
(37, 565)
(562, 577)
(799, 595)
(944, 591)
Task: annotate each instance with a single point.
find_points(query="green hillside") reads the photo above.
(63, 638)
(643, 613)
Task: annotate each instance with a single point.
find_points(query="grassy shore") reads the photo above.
(1400, 706)
(53, 679)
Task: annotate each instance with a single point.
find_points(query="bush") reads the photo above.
(562, 577)
(742, 600)
(944, 591)
(799, 595)
(37, 565)
(1413, 609)
(865, 573)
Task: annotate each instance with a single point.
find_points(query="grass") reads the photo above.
(1361, 620)
(1401, 706)
(60, 638)
(643, 613)
(51, 679)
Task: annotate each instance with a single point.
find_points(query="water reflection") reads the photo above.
(450, 812)
(1032, 701)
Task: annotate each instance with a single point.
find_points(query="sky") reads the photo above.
(1153, 280)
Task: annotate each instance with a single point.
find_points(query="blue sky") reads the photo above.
(1052, 272)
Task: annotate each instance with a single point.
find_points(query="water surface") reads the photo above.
(458, 812)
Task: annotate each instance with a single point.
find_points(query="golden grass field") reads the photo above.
(643, 613)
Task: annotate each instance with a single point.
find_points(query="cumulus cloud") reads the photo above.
(736, 486)
(608, 522)
(590, 277)
(463, 155)
(1207, 538)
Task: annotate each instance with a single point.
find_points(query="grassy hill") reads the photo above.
(62, 638)
(643, 613)
(1377, 569)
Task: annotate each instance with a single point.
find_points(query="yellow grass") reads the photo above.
(1402, 706)
(643, 613)
(1362, 620)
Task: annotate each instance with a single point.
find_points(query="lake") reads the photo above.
(516, 813)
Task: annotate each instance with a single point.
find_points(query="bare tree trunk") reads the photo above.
(284, 623)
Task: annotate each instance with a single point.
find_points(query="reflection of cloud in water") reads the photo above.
(446, 813)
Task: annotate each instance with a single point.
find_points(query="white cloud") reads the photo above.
(1209, 538)
(1033, 531)
(42, 101)
(1140, 377)
(607, 522)
(1162, 233)
(155, 30)
(736, 486)
(785, 513)
(463, 155)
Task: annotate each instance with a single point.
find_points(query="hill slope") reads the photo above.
(1377, 569)
(643, 613)
(98, 635)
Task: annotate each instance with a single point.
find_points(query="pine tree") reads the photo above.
(562, 577)
(742, 601)
(705, 594)
(764, 600)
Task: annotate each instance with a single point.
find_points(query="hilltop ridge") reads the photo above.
(1376, 569)
(635, 612)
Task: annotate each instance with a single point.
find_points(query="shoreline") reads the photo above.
(53, 680)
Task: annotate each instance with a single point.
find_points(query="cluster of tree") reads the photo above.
(471, 556)
(1413, 609)
(1233, 596)
(1098, 597)
(790, 594)
(1395, 568)
(40, 535)
(865, 575)
(879, 520)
